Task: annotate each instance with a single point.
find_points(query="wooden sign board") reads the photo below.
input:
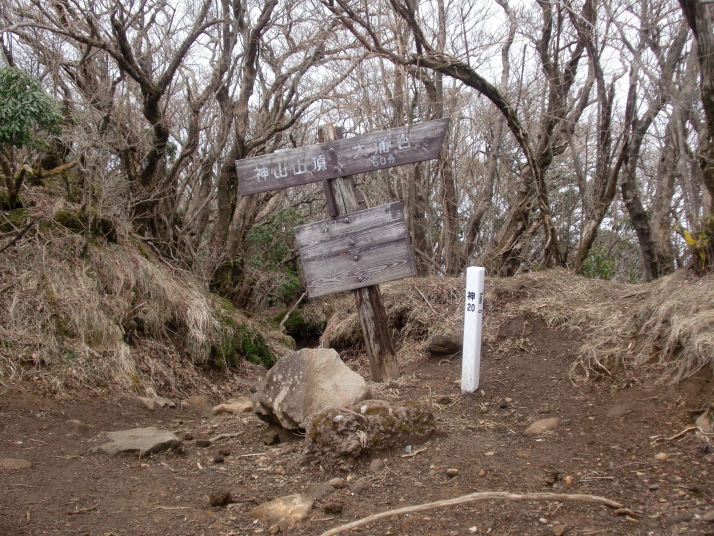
(339, 158)
(357, 250)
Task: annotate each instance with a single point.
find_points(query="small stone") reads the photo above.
(482, 472)
(568, 480)
(661, 456)
(543, 520)
(148, 403)
(708, 517)
(274, 529)
(242, 405)
(452, 472)
(337, 483)
(359, 486)
(333, 508)
(376, 465)
(489, 453)
(201, 405)
(203, 443)
(271, 437)
(541, 426)
(559, 529)
(218, 459)
(220, 498)
(319, 491)
(288, 511)
(14, 464)
(224, 452)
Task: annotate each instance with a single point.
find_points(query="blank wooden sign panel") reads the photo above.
(357, 250)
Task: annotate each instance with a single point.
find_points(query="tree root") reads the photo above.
(472, 497)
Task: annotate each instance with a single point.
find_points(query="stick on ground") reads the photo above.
(473, 497)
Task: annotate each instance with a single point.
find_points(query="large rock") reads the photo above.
(304, 383)
(137, 440)
(339, 436)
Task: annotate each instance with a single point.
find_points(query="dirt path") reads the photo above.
(605, 445)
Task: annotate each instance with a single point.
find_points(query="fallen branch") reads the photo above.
(17, 237)
(657, 439)
(473, 497)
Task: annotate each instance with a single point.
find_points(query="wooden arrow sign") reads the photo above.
(339, 158)
(356, 250)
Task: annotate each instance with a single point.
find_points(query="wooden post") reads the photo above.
(370, 309)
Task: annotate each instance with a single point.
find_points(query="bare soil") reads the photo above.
(614, 441)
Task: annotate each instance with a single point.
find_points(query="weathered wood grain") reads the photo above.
(339, 158)
(357, 250)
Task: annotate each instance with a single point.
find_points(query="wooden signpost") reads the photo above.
(364, 248)
(354, 250)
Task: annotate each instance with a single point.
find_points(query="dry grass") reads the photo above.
(663, 329)
(116, 317)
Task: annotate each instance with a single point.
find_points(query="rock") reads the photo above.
(620, 410)
(319, 491)
(705, 422)
(559, 529)
(445, 343)
(359, 486)
(14, 464)
(240, 405)
(144, 441)
(376, 465)
(337, 483)
(153, 402)
(200, 405)
(148, 403)
(451, 473)
(541, 426)
(342, 435)
(75, 427)
(289, 510)
(661, 456)
(304, 383)
(220, 498)
(708, 517)
(333, 508)
(163, 402)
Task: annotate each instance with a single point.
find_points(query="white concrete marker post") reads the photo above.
(473, 323)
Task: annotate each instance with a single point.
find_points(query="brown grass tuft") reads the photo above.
(665, 328)
(115, 317)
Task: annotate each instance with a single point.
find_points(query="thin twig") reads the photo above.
(225, 436)
(472, 497)
(18, 236)
(427, 301)
(675, 436)
(285, 318)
